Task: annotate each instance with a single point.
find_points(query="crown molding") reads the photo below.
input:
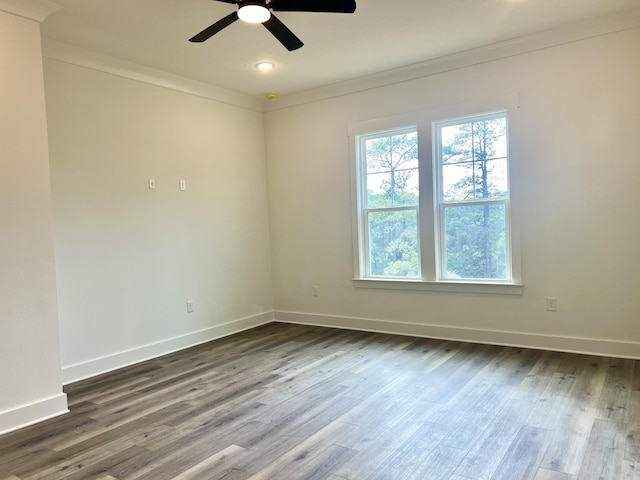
(538, 41)
(96, 61)
(545, 39)
(36, 10)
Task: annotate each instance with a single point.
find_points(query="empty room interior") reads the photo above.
(409, 250)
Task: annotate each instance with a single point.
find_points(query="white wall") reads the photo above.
(579, 184)
(30, 378)
(128, 258)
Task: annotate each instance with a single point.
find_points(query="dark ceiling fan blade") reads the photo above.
(331, 6)
(282, 33)
(210, 31)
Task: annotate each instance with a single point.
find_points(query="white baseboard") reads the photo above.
(590, 346)
(35, 412)
(97, 366)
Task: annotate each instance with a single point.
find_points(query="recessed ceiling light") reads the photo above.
(265, 66)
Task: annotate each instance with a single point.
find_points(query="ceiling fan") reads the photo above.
(259, 11)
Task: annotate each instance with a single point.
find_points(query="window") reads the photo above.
(434, 205)
(390, 203)
(473, 198)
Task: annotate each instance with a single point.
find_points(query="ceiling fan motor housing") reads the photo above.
(253, 11)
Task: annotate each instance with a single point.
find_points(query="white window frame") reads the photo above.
(364, 209)
(441, 203)
(429, 233)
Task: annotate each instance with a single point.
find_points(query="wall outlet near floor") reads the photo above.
(315, 290)
(552, 304)
(189, 306)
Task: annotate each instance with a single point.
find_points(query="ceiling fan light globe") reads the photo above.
(254, 13)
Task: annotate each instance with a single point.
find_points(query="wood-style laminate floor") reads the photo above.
(291, 402)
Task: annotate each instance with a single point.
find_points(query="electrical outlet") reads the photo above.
(183, 185)
(315, 291)
(552, 304)
(189, 306)
(152, 183)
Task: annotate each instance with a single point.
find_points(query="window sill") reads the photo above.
(428, 286)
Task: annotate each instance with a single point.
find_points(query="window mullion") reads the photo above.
(394, 208)
(426, 222)
(475, 203)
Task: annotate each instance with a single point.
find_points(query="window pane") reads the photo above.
(457, 182)
(392, 170)
(490, 138)
(392, 188)
(491, 179)
(475, 246)
(474, 160)
(393, 243)
(378, 154)
(457, 143)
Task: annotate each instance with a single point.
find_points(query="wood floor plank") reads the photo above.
(476, 416)
(233, 474)
(625, 465)
(487, 453)
(11, 444)
(633, 413)
(544, 474)
(615, 398)
(387, 402)
(551, 404)
(89, 471)
(512, 365)
(314, 464)
(27, 460)
(81, 459)
(213, 466)
(290, 384)
(470, 398)
(171, 460)
(314, 395)
(120, 428)
(458, 370)
(625, 470)
(312, 458)
(315, 419)
(568, 442)
(632, 444)
(373, 448)
(600, 455)
(440, 463)
(524, 455)
(296, 402)
(288, 433)
(218, 399)
(419, 447)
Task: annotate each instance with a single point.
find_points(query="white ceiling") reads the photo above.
(380, 35)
